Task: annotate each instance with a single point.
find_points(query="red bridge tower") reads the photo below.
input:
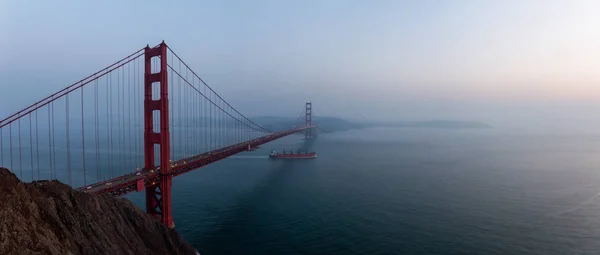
(158, 196)
(308, 119)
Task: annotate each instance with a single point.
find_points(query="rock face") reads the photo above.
(51, 218)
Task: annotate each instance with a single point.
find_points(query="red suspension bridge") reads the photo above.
(132, 126)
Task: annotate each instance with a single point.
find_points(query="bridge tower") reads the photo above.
(158, 196)
(308, 121)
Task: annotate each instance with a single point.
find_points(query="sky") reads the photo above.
(530, 61)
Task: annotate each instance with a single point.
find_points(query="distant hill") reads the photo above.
(325, 124)
(445, 124)
(333, 124)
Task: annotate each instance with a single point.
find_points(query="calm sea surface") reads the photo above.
(400, 191)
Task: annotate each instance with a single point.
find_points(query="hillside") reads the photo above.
(443, 124)
(326, 124)
(51, 218)
(333, 124)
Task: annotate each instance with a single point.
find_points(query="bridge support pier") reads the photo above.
(158, 196)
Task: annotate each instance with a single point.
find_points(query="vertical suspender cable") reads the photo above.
(122, 151)
(204, 125)
(220, 128)
(172, 111)
(54, 144)
(211, 123)
(1, 147)
(135, 117)
(187, 116)
(96, 136)
(108, 124)
(50, 143)
(119, 153)
(37, 144)
(179, 112)
(137, 132)
(10, 147)
(195, 121)
(220, 125)
(20, 156)
(83, 139)
(31, 147)
(198, 122)
(129, 100)
(68, 137)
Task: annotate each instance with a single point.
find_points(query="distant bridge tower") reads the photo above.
(308, 118)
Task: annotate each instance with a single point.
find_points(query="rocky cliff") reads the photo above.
(50, 218)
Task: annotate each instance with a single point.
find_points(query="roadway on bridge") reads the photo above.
(125, 183)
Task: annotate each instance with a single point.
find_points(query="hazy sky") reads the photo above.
(474, 60)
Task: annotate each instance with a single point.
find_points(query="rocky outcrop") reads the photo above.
(49, 217)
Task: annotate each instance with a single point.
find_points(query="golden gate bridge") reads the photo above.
(132, 126)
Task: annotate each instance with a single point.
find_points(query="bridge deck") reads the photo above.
(146, 177)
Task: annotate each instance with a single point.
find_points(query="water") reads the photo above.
(400, 191)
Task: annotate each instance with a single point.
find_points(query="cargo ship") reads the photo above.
(292, 155)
